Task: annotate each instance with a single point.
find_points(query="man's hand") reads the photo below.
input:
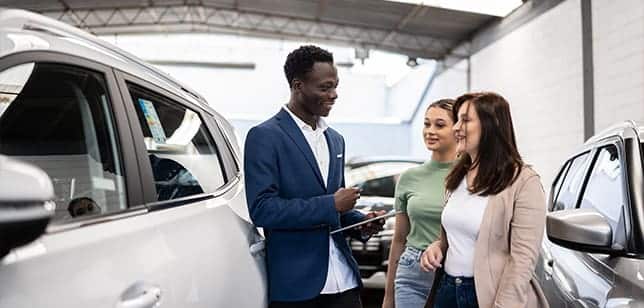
(345, 199)
(375, 226)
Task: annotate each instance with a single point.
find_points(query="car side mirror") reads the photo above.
(558, 206)
(580, 229)
(26, 192)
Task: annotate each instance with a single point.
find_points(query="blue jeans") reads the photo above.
(411, 285)
(456, 292)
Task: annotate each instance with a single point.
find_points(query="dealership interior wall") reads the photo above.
(374, 116)
(538, 67)
(562, 85)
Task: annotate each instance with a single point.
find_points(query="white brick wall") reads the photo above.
(538, 69)
(618, 46)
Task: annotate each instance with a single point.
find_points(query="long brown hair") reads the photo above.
(498, 159)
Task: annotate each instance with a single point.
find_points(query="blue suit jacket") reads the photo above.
(287, 197)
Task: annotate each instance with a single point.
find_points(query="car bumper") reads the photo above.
(372, 258)
(376, 281)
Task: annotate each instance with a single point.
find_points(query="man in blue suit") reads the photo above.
(294, 166)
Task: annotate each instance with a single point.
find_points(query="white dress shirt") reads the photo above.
(461, 219)
(339, 277)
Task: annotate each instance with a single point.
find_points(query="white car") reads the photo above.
(119, 187)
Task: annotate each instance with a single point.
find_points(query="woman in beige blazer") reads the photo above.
(494, 217)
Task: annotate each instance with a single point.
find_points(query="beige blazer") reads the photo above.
(507, 246)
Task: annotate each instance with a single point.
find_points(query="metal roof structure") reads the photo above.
(413, 30)
(22, 31)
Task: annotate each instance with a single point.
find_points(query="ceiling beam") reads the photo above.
(412, 13)
(68, 10)
(198, 17)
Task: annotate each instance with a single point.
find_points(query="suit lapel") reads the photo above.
(331, 184)
(294, 132)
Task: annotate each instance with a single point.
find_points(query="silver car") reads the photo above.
(594, 252)
(119, 187)
(377, 177)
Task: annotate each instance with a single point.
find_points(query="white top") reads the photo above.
(461, 219)
(339, 275)
(317, 141)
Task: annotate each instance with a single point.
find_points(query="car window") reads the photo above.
(59, 118)
(559, 180)
(572, 181)
(605, 191)
(382, 187)
(181, 152)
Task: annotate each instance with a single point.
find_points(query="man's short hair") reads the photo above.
(300, 61)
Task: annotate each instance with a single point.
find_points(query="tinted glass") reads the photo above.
(605, 191)
(59, 118)
(382, 187)
(559, 181)
(183, 156)
(574, 178)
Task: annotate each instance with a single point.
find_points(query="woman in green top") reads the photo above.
(419, 201)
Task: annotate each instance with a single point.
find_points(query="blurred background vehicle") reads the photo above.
(377, 177)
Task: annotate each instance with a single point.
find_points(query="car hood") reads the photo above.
(368, 204)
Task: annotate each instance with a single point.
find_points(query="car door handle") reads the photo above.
(257, 248)
(140, 295)
(549, 268)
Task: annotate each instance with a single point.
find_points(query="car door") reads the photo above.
(544, 266)
(65, 115)
(564, 194)
(193, 189)
(587, 279)
(616, 280)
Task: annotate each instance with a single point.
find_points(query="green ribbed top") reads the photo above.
(419, 193)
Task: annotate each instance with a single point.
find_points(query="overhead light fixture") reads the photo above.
(347, 64)
(412, 62)
(499, 8)
(361, 53)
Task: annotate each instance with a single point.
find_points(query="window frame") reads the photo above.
(230, 160)
(145, 170)
(133, 193)
(555, 187)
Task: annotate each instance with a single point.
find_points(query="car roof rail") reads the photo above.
(616, 129)
(26, 20)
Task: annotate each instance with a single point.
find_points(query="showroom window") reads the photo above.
(182, 154)
(58, 117)
(572, 181)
